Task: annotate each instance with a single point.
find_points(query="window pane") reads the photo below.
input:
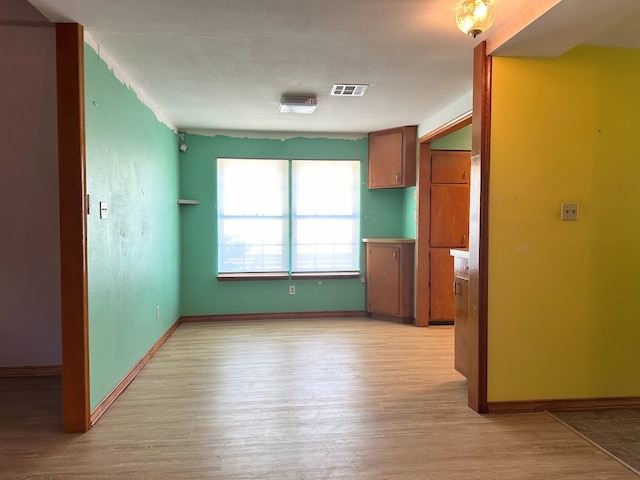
(326, 215)
(252, 215)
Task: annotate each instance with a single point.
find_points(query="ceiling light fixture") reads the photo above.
(293, 104)
(475, 16)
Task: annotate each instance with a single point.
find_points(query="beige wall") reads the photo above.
(29, 239)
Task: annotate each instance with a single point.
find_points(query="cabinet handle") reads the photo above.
(463, 240)
(398, 177)
(456, 290)
(395, 254)
(464, 175)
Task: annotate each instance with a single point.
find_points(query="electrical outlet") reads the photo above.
(569, 211)
(292, 289)
(157, 313)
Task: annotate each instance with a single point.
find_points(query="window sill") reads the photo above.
(233, 277)
(324, 275)
(253, 276)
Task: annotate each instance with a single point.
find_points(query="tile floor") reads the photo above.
(617, 431)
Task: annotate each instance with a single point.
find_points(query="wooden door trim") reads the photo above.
(448, 128)
(423, 214)
(73, 227)
(478, 229)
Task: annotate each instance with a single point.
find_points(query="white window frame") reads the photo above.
(343, 249)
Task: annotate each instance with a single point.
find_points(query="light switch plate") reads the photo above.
(569, 211)
(103, 210)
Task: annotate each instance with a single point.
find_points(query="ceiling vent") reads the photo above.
(348, 90)
(293, 104)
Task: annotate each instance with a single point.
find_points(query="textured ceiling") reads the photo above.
(223, 64)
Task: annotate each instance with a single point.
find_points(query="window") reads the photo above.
(282, 216)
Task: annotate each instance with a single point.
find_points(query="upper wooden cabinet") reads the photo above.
(450, 167)
(392, 157)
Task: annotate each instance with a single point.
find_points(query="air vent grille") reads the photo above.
(348, 90)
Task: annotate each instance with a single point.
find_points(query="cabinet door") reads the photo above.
(449, 216)
(450, 167)
(383, 279)
(441, 281)
(461, 302)
(385, 160)
(392, 157)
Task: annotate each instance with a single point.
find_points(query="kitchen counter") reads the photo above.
(459, 253)
(388, 240)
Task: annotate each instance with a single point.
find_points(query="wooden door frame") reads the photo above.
(479, 229)
(76, 415)
(423, 214)
(480, 119)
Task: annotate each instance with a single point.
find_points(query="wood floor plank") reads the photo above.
(322, 399)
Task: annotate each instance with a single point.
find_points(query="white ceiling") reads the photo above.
(223, 64)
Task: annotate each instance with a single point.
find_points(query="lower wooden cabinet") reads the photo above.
(389, 279)
(461, 310)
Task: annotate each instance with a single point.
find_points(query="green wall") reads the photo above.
(409, 212)
(458, 140)
(133, 255)
(202, 294)
(563, 316)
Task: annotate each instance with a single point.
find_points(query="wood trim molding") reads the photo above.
(563, 405)
(448, 128)
(130, 377)
(273, 316)
(73, 227)
(478, 229)
(423, 229)
(31, 371)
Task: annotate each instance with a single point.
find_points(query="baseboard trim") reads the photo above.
(564, 405)
(272, 316)
(32, 371)
(439, 323)
(104, 405)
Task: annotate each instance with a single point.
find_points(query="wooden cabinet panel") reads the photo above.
(462, 326)
(449, 216)
(441, 268)
(448, 187)
(392, 158)
(450, 167)
(385, 165)
(461, 302)
(390, 272)
(383, 279)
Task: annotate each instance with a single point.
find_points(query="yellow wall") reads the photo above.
(564, 309)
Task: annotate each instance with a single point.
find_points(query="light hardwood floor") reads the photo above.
(309, 399)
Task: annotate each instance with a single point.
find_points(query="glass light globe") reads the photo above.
(475, 16)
